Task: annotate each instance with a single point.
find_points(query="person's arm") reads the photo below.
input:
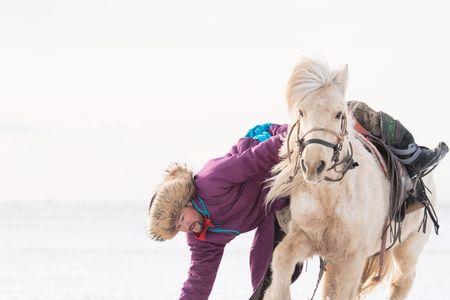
(242, 166)
(278, 129)
(205, 261)
(261, 250)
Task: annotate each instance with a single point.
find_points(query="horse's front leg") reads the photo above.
(342, 278)
(294, 248)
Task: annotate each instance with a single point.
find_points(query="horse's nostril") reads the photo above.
(321, 167)
(303, 165)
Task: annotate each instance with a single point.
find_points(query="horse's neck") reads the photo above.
(367, 165)
(360, 153)
(329, 195)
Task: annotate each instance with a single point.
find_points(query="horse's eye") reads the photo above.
(339, 115)
(300, 113)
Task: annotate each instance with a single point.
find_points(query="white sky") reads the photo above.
(98, 97)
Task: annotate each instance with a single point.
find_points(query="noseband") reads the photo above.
(339, 166)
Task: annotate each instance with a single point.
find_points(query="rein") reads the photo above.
(339, 166)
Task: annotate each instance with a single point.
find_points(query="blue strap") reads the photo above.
(201, 208)
(221, 230)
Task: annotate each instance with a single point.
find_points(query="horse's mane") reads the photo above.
(279, 183)
(309, 75)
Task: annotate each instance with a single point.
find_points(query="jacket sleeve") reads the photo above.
(205, 261)
(278, 129)
(242, 166)
(261, 250)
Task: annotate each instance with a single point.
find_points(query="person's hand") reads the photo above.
(260, 132)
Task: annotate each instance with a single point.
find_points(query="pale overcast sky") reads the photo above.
(98, 97)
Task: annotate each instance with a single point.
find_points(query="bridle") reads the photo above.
(339, 166)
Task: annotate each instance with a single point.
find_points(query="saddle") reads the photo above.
(407, 194)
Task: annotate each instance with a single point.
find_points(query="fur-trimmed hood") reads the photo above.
(170, 198)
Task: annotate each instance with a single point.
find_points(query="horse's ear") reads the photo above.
(340, 78)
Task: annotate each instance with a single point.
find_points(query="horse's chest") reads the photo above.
(328, 234)
(330, 231)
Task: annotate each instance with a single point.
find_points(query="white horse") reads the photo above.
(340, 221)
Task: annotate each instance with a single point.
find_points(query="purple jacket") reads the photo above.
(232, 189)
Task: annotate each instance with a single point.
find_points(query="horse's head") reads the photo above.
(316, 101)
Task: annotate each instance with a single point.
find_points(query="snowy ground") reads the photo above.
(58, 250)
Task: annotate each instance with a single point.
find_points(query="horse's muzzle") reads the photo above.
(313, 171)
